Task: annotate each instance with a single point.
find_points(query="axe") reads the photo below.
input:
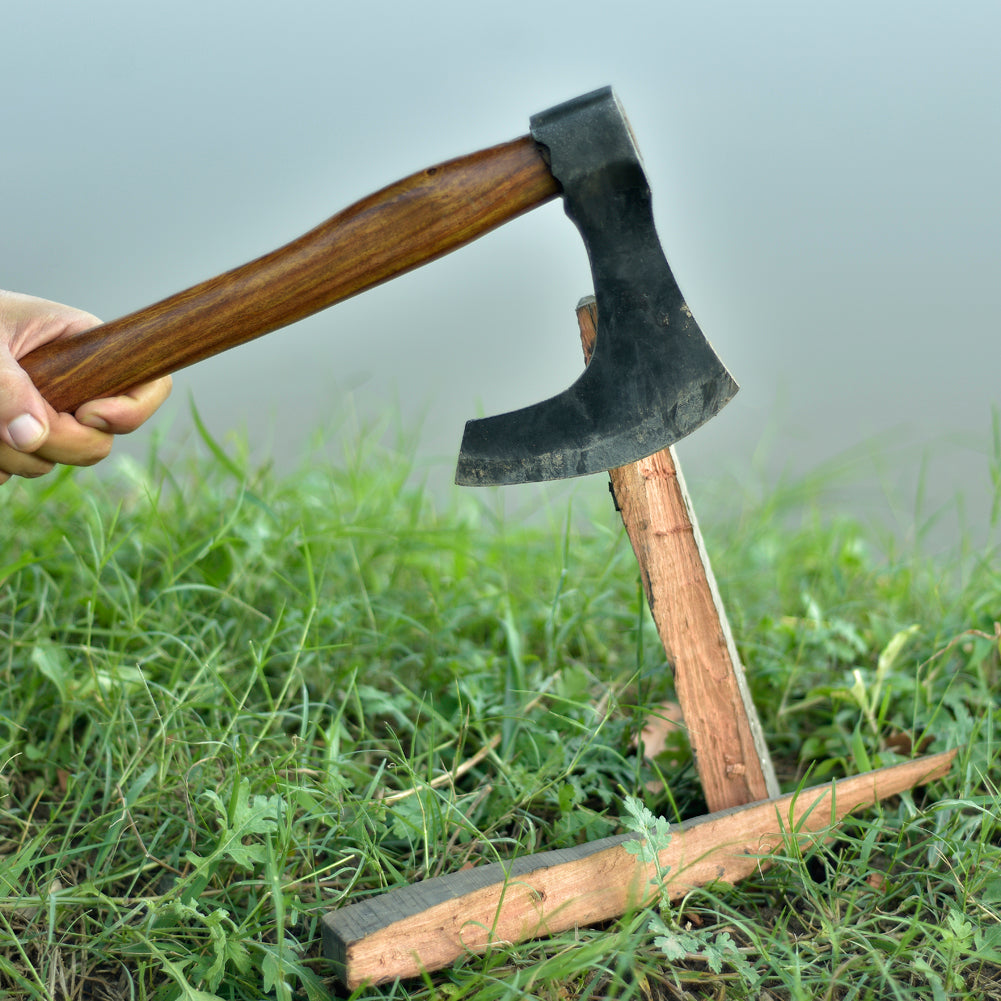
(652, 379)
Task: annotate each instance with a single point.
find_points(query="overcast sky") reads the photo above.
(826, 182)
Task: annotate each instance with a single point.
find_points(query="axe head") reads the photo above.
(653, 377)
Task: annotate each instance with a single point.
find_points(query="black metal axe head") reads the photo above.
(653, 377)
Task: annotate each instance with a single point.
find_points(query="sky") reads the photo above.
(825, 183)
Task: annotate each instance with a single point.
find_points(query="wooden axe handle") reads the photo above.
(398, 228)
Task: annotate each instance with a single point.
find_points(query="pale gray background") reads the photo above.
(826, 178)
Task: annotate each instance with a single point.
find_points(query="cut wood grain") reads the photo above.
(428, 925)
(731, 755)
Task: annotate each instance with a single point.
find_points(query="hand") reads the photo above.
(33, 437)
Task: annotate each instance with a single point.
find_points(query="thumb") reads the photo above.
(24, 421)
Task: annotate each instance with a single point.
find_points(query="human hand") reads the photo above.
(33, 437)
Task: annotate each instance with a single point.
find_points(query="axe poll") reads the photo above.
(652, 379)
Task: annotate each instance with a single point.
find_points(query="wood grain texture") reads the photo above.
(429, 925)
(731, 756)
(398, 228)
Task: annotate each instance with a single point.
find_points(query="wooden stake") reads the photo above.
(428, 925)
(731, 756)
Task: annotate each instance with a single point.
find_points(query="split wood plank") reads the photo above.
(426, 926)
(731, 756)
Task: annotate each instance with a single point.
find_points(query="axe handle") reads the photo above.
(392, 231)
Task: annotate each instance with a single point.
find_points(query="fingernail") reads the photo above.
(93, 421)
(25, 432)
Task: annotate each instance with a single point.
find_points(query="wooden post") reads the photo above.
(731, 757)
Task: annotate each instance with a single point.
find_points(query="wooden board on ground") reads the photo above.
(428, 925)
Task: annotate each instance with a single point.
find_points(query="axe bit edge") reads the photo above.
(654, 377)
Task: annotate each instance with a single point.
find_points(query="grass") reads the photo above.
(230, 701)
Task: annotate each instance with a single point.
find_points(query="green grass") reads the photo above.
(230, 701)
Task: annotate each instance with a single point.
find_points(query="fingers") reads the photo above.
(33, 437)
(72, 444)
(24, 422)
(67, 442)
(123, 414)
(85, 438)
(14, 463)
(25, 418)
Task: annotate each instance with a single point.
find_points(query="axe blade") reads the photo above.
(653, 377)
